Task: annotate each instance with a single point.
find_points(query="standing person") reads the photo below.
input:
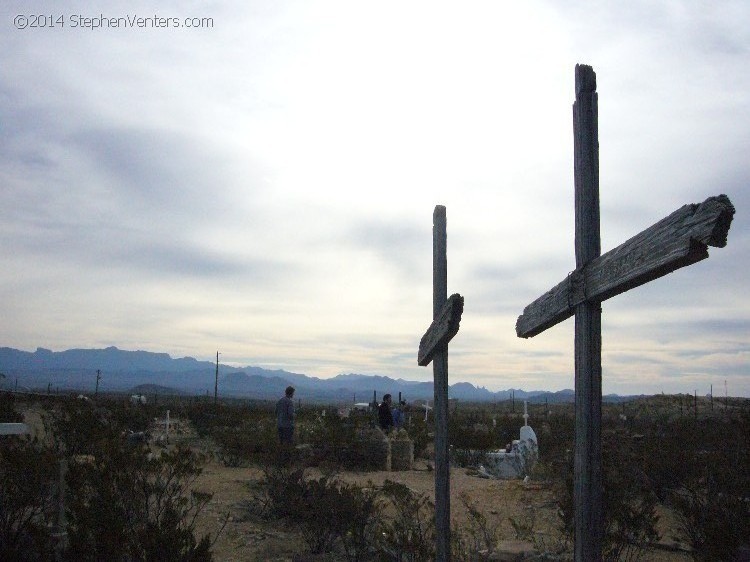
(385, 417)
(285, 416)
(398, 415)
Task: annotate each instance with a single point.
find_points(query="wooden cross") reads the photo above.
(434, 347)
(676, 241)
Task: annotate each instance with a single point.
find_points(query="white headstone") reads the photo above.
(519, 461)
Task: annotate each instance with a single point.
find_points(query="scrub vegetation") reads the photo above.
(130, 497)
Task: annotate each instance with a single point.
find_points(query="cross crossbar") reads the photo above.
(442, 330)
(679, 240)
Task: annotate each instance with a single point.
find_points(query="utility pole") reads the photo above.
(216, 383)
(98, 378)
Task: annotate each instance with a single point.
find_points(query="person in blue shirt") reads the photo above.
(398, 415)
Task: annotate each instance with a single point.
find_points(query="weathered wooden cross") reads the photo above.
(676, 241)
(434, 347)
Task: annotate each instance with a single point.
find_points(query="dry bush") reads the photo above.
(28, 492)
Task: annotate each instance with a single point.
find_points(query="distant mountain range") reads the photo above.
(147, 372)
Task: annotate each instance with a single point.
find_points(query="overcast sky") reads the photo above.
(263, 184)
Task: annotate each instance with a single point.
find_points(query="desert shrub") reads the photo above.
(317, 512)
(482, 535)
(467, 438)
(505, 429)
(234, 446)
(712, 502)
(359, 513)
(133, 417)
(28, 486)
(125, 506)
(207, 417)
(8, 412)
(203, 416)
(333, 515)
(558, 439)
(333, 439)
(341, 443)
(122, 502)
(249, 442)
(242, 434)
(419, 432)
(83, 428)
(668, 457)
(716, 526)
(409, 536)
(329, 513)
(283, 485)
(629, 501)
(471, 433)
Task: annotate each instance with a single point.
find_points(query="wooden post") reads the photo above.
(216, 381)
(587, 484)
(61, 531)
(440, 374)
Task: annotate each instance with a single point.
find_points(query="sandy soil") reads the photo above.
(247, 537)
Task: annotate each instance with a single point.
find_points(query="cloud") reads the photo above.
(265, 186)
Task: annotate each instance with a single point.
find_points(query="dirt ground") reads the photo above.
(247, 537)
